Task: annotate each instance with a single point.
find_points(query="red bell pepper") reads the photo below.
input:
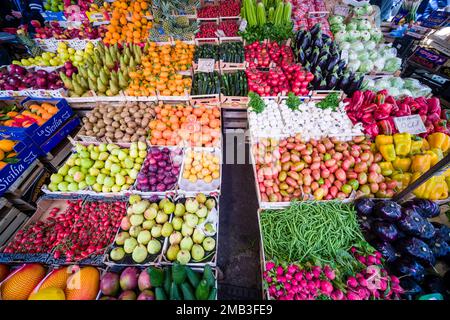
(383, 111)
(441, 126)
(368, 96)
(372, 130)
(357, 100)
(379, 98)
(367, 118)
(387, 126)
(434, 105)
(371, 107)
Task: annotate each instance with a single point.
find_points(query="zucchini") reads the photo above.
(261, 14)
(174, 292)
(167, 279)
(188, 292)
(202, 290)
(208, 276)
(212, 294)
(156, 276)
(160, 294)
(193, 277)
(178, 273)
(287, 13)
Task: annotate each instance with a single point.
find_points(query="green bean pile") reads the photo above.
(309, 231)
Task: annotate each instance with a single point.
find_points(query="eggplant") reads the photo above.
(439, 247)
(301, 56)
(299, 38)
(308, 53)
(411, 268)
(322, 62)
(410, 287)
(332, 80)
(365, 224)
(442, 231)
(307, 66)
(413, 224)
(332, 62)
(342, 82)
(385, 231)
(318, 43)
(388, 210)
(417, 249)
(387, 250)
(323, 85)
(429, 209)
(314, 57)
(327, 41)
(433, 283)
(364, 206)
(316, 29)
(317, 78)
(324, 52)
(341, 64)
(306, 41)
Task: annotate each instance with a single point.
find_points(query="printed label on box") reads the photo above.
(411, 124)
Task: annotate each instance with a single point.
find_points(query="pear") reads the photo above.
(198, 236)
(172, 252)
(186, 243)
(197, 252)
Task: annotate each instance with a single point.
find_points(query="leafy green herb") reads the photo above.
(293, 101)
(256, 102)
(330, 101)
(268, 31)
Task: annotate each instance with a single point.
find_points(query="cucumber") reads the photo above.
(202, 290)
(167, 279)
(208, 276)
(188, 292)
(156, 276)
(212, 294)
(178, 273)
(193, 277)
(175, 292)
(160, 294)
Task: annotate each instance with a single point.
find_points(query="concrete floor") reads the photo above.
(239, 259)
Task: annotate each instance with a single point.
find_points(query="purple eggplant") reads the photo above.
(413, 224)
(410, 287)
(315, 30)
(387, 250)
(314, 59)
(386, 231)
(388, 210)
(417, 249)
(364, 206)
(429, 209)
(439, 247)
(332, 62)
(442, 231)
(411, 268)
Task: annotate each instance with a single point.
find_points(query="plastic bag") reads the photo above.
(378, 64)
(393, 91)
(370, 45)
(364, 25)
(397, 82)
(358, 46)
(336, 20)
(363, 56)
(364, 35)
(366, 66)
(353, 35)
(392, 64)
(376, 35)
(345, 45)
(411, 83)
(405, 92)
(351, 26)
(340, 36)
(353, 65)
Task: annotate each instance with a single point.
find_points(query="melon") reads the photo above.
(55, 279)
(83, 285)
(21, 283)
(48, 294)
(4, 271)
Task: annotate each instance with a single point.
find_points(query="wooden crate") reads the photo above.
(11, 220)
(233, 118)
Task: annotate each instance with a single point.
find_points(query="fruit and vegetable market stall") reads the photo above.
(118, 164)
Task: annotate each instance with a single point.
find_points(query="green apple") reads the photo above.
(63, 186)
(115, 188)
(134, 153)
(53, 186)
(78, 176)
(68, 178)
(115, 168)
(108, 182)
(84, 154)
(82, 185)
(106, 189)
(86, 163)
(142, 146)
(94, 172)
(128, 163)
(97, 187)
(105, 171)
(94, 155)
(73, 170)
(101, 178)
(102, 147)
(64, 170)
(90, 180)
(99, 164)
(120, 180)
(103, 156)
(121, 155)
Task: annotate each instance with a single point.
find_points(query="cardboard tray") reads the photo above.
(117, 269)
(44, 206)
(212, 255)
(151, 260)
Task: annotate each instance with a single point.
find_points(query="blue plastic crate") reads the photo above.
(54, 16)
(60, 135)
(12, 171)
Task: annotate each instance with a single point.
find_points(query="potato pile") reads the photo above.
(127, 122)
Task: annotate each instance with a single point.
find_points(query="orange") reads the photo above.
(7, 145)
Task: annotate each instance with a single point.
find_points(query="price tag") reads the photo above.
(243, 25)
(341, 10)
(220, 34)
(96, 17)
(206, 65)
(411, 124)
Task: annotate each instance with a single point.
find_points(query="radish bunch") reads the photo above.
(369, 281)
(265, 54)
(230, 28)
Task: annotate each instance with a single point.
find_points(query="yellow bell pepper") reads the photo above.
(447, 180)
(434, 189)
(386, 168)
(402, 164)
(402, 143)
(436, 155)
(388, 152)
(382, 140)
(416, 145)
(403, 179)
(446, 173)
(426, 145)
(421, 163)
(439, 140)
